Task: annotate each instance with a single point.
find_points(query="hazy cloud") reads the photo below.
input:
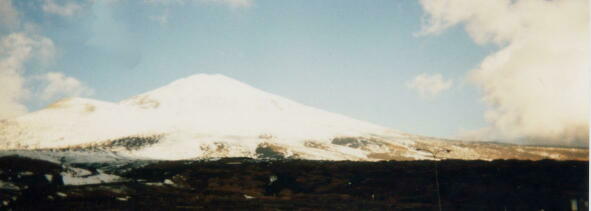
(11, 95)
(25, 45)
(15, 50)
(162, 19)
(536, 85)
(229, 3)
(429, 85)
(66, 9)
(8, 15)
(59, 85)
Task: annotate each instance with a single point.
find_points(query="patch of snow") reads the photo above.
(49, 177)
(546, 154)
(77, 172)
(272, 179)
(168, 182)
(80, 177)
(154, 183)
(8, 186)
(61, 157)
(125, 198)
(248, 197)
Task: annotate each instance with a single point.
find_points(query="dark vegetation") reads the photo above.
(268, 152)
(133, 143)
(127, 143)
(246, 184)
(354, 142)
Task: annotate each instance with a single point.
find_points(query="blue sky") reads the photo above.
(401, 64)
(350, 57)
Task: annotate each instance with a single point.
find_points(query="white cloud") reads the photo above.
(15, 50)
(67, 9)
(19, 48)
(231, 3)
(60, 86)
(165, 2)
(8, 14)
(162, 19)
(537, 84)
(11, 95)
(234, 4)
(429, 85)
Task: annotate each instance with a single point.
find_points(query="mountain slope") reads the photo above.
(67, 122)
(217, 104)
(205, 116)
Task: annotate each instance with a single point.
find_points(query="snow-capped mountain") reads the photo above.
(204, 116)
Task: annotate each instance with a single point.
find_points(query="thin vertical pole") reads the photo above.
(437, 186)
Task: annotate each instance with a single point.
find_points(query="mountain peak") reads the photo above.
(213, 91)
(200, 85)
(203, 79)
